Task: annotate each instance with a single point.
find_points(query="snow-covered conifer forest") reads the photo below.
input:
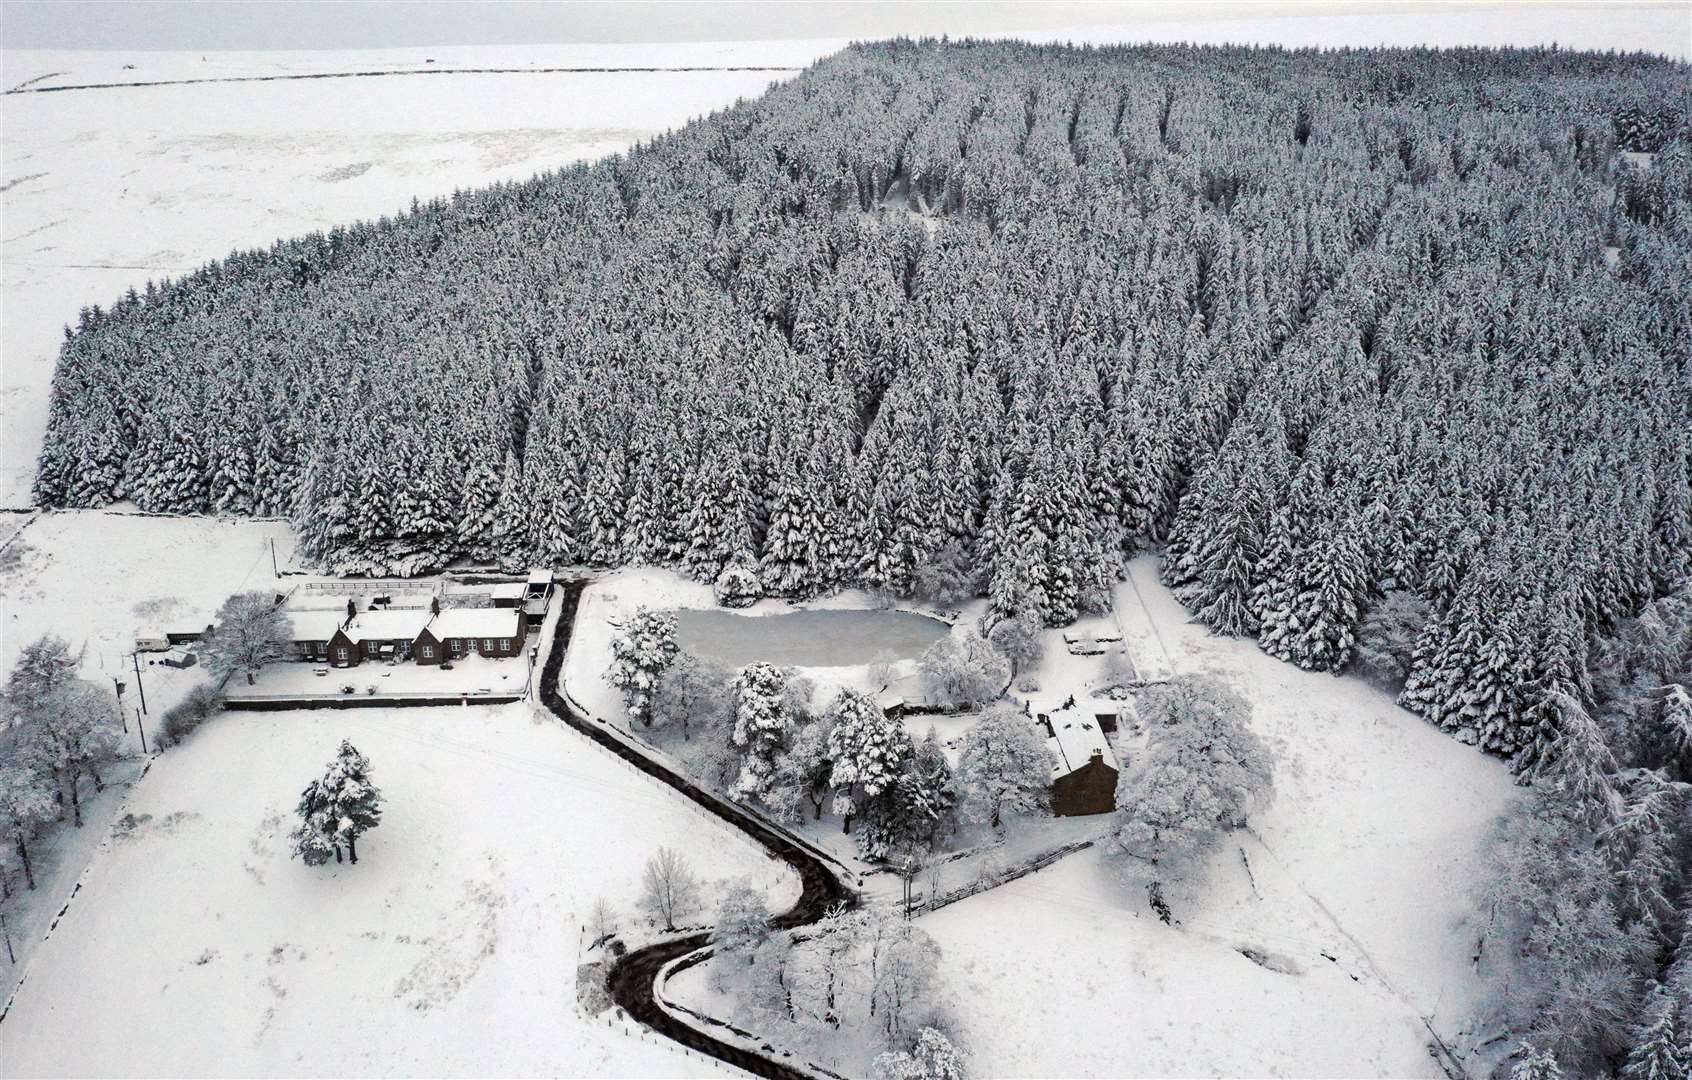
(1328, 326)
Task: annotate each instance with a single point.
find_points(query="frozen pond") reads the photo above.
(805, 638)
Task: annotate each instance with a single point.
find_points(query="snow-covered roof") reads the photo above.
(540, 577)
(316, 625)
(392, 624)
(476, 623)
(1076, 737)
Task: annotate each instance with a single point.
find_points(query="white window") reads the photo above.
(428, 652)
(487, 644)
(341, 654)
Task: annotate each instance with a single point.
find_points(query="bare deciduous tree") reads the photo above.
(669, 889)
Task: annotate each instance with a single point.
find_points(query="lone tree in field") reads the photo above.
(250, 632)
(337, 809)
(24, 805)
(669, 889)
(641, 655)
(1004, 766)
(1202, 773)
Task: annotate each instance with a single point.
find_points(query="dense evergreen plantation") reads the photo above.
(1344, 332)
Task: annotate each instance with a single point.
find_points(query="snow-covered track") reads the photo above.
(633, 980)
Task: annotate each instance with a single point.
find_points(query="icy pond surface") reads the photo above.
(805, 638)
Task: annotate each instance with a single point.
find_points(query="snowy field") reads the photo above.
(449, 949)
(1366, 856)
(97, 579)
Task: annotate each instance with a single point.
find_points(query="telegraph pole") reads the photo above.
(6, 933)
(123, 718)
(141, 731)
(134, 658)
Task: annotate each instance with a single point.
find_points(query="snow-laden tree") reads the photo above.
(737, 587)
(803, 774)
(944, 577)
(931, 1057)
(767, 991)
(867, 750)
(640, 656)
(250, 630)
(928, 795)
(743, 923)
(1004, 767)
(1386, 638)
(70, 735)
(669, 889)
(1202, 773)
(25, 805)
(904, 982)
(1534, 1063)
(693, 695)
(44, 667)
(337, 809)
(1020, 639)
(1660, 1046)
(760, 728)
(964, 669)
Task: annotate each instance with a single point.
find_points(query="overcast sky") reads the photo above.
(354, 24)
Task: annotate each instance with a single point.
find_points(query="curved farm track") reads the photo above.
(632, 982)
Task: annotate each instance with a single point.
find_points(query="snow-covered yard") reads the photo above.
(473, 675)
(449, 949)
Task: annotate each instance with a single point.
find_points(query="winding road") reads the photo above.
(633, 981)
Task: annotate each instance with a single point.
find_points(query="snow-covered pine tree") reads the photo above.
(640, 656)
(760, 729)
(868, 750)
